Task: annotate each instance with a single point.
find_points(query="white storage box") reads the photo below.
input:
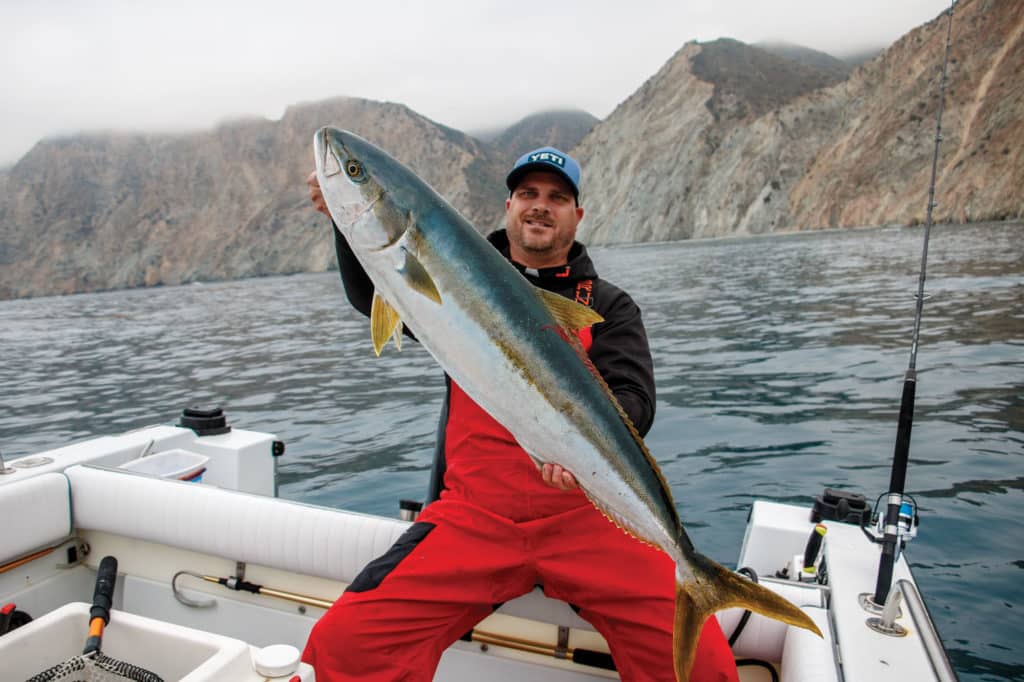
(179, 464)
(171, 651)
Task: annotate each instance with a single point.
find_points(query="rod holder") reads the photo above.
(4, 469)
(886, 622)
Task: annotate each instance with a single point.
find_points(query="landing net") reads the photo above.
(95, 668)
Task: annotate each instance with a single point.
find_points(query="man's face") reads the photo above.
(541, 217)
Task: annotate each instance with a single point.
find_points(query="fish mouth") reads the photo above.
(330, 164)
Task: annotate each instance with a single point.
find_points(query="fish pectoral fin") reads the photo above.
(569, 314)
(417, 277)
(717, 588)
(385, 323)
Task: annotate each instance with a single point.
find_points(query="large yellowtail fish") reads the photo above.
(510, 347)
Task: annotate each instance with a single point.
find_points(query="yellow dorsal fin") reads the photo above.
(384, 323)
(569, 314)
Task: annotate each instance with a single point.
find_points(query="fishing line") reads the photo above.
(891, 541)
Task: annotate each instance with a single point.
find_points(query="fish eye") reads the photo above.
(354, 170)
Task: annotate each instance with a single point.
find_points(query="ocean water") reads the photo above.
(779, 365)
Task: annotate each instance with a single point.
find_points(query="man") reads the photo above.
(498, 527)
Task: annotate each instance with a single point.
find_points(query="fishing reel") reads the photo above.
(906, 525)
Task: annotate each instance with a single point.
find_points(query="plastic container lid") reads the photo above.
(176, 463)
(277, 660)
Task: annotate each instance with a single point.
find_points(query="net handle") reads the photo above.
(102, 599)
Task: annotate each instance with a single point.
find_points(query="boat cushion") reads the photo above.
(764, 638)
(807, 657)
(262, 530)
(271, 532)
(36, 513)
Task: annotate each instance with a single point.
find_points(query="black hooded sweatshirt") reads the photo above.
(619, 349)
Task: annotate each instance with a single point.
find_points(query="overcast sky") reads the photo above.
(70, 65)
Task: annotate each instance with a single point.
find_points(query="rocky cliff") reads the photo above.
(874, 167)
(728, 139)
(724, 139)
(98, 212)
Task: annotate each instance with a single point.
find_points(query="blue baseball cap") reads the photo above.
(546, 159)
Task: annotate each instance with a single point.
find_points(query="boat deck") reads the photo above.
(80, 505)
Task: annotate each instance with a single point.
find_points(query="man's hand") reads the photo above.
(557, 477)
(316, 196)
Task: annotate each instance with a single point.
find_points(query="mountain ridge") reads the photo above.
(851, 154)
(724, 139)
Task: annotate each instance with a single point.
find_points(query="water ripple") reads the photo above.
(779, 363)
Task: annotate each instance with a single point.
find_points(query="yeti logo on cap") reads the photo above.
(548, 157)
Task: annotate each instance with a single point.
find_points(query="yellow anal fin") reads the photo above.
(417, 277)
(385, 323)
(569, 314)
(719, 588)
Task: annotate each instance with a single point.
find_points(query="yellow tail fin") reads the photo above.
(716, 589)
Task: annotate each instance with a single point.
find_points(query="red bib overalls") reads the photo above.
(496, 532)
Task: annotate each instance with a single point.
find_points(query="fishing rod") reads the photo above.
(582, 656)
(239, 585)
(894, 535)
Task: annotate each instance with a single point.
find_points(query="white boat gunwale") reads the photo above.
(158, 527)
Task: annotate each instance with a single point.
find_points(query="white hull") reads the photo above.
(157, 527)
